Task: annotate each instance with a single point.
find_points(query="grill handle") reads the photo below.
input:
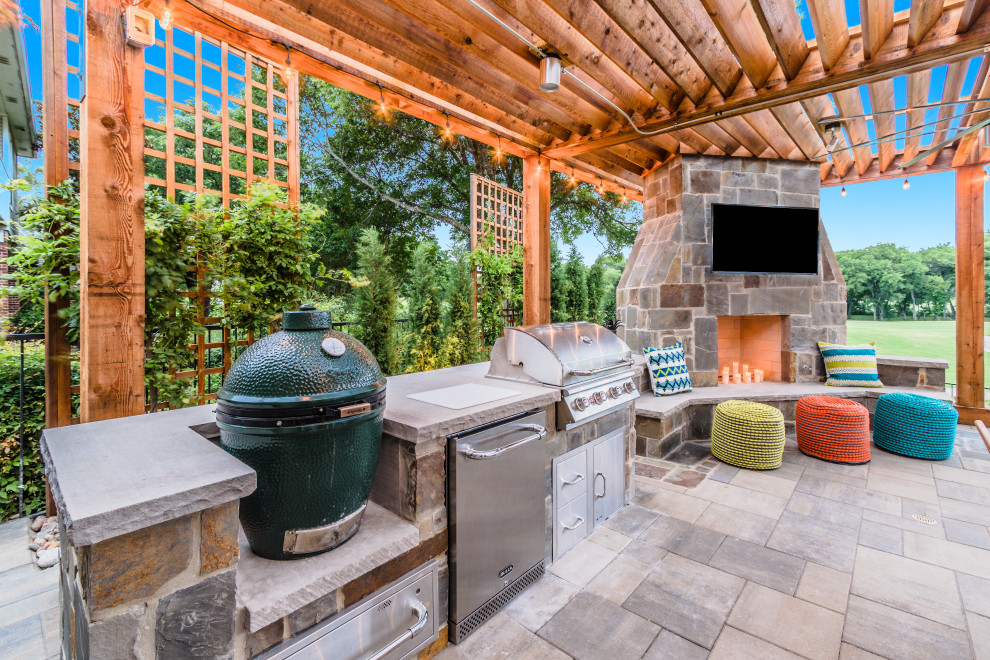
(421, 613)
(600, 370)
(539, 433)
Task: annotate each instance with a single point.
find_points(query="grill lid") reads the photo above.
(305, 364)
(562, 353)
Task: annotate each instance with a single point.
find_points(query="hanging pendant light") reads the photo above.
(843, 193)
(550, 73)
(907, 184)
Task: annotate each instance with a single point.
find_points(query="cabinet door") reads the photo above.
(608, 482)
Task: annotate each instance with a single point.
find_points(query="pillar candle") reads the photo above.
(746, 377)
(735, 368)
(725, 376)
(736, 378)
(745, 369)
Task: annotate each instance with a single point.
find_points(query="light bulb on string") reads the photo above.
(166, 20)
(446, 131)
(601, 187)
(986, 176)
(383, 109)
(906, 184)
(498, 149)
(843, 193)
(625, 197)
(572, 181)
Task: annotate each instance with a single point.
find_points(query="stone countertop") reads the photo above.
(659, 407)
(117, 476)
(269, 590)
(417, 421)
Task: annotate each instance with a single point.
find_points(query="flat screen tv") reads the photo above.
(764, 239)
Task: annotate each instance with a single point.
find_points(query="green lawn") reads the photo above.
(933, 339)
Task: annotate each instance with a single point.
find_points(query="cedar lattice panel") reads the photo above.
(496, 211)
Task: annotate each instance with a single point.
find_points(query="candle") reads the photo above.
(735, 368)
(745, 369)
(725, 376)
(736, 378)
(746, 377)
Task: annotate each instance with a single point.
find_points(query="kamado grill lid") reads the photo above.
(306, 365)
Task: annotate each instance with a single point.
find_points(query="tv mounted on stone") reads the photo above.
(764, 239)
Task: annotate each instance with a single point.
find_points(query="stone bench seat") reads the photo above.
(663, 422)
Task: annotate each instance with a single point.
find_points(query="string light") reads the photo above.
(986, 176)
(601, 187)
(573, 180)
(907, 184)
(383, 109)
(539, 160)
(498, 149)
(166, 19)
(625, 197)
(843, 193)
(446, 131)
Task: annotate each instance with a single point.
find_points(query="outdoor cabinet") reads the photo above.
(588, 487)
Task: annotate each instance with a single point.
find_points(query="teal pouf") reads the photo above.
(915, 425)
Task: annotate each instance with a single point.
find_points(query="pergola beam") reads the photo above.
(943, 163)
(941, 45)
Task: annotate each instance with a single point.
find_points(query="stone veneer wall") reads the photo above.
(165, 591)
(669, 294)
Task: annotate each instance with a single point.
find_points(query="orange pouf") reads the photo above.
(833, 429)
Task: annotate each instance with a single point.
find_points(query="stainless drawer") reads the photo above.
(393, 623)
(572, 524)
(571, 479)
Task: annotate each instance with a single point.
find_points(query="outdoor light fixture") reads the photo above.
(843, 193)
(382, 106)
(498, 149)
(166, 20)
(572, 181)
(833, 134)
(907, 184)
(550, 73)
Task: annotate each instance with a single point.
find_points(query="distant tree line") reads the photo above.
(887, 281)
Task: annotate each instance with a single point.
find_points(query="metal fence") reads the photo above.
(22, 338)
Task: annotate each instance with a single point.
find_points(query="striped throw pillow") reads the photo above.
(668, 370)
(851, 366)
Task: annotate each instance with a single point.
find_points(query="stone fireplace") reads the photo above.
(668, 292)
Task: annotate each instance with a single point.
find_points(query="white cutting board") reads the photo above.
(463, 396)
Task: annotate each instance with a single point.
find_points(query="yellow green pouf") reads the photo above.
(748, 435)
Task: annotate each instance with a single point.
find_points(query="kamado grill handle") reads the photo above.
(421, 613)
(539, 433)
(600, 370)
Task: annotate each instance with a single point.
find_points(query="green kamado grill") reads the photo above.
(303, 407)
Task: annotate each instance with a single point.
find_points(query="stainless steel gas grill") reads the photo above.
(589, 363)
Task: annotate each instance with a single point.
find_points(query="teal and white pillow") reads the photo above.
(668, 370)
(850, 366)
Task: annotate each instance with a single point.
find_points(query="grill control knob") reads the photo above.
(628, 386)
(580, 403)
(599, 396)
(614, 392)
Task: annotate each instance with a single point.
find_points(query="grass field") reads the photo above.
(932, 339)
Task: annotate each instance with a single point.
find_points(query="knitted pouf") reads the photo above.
(748, 435)
(833, 429)
(915, 425)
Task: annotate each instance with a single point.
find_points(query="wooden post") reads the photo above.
(111, 219)
(970, 294)
(536, 240)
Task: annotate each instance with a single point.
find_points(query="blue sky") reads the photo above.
(870, 213)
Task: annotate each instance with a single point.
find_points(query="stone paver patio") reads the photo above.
(812, 560)
(29, 614)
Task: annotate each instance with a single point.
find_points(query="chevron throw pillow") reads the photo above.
(668, 370)
(850, 366)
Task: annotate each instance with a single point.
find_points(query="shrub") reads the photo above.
(34, 422)
(375, 303)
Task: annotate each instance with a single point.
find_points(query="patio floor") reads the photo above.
(29, 614)
(813, 560)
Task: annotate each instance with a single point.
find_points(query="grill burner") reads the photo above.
(589, 363)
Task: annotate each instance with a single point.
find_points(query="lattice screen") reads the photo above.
(216, 119)
(496, 211)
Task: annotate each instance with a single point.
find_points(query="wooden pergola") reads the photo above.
(644, 80)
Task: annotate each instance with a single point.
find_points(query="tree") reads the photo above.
(596, 291)
(462, 325)
(558, 286)
(375, 303)
(424, 309)
(577, 287)
(405, 177)
(872, 275)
